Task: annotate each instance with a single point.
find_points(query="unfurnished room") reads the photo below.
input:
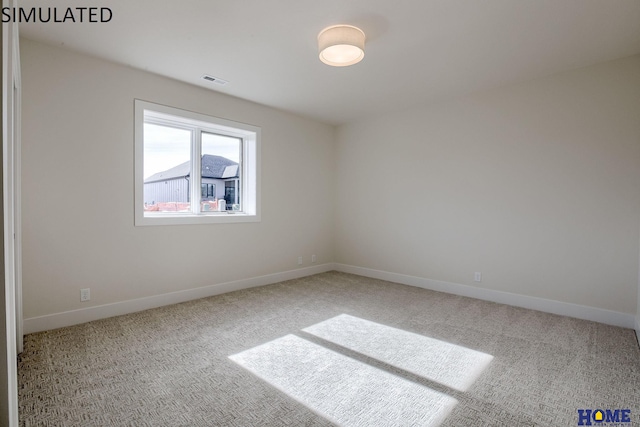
(338, 213)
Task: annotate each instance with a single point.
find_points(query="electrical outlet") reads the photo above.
(85, 294)
(313, 258)
(299, 260)
(477, 276)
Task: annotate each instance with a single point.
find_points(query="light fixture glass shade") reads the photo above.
(341, 45)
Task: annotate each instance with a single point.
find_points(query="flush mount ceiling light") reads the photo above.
(341, 45)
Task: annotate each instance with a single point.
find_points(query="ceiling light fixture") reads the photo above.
(341, 45)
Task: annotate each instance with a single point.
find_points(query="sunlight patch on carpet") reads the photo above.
(448, 364)
(341, 389)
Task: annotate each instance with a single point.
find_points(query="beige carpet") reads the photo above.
(321, 350)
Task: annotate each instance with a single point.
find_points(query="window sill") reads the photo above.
(189, 218)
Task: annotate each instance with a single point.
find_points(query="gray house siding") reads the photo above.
(172, 185)
(177, 190)
(171, 190)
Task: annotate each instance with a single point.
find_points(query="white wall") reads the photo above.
(534, 185)
(78, 188)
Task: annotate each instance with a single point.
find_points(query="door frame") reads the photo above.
(11, 93)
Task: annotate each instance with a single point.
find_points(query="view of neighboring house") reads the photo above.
(220, 180)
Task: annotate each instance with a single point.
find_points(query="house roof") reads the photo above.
(212, 167)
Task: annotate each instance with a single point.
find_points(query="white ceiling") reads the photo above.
(417, 51)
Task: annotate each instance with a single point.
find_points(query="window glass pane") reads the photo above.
(220, 163)
(167, 166)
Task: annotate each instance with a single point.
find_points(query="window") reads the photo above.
(208, 191)
(193, 169)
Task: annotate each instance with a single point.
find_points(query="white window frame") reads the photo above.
(249, 165)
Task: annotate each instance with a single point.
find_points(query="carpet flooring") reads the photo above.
(329, 349)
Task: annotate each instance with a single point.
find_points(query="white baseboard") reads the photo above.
(74, 317)
(600, 315)
(83, 315)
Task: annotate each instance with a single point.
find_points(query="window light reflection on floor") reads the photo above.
(349, 392)
(341, 389)
(448, 364)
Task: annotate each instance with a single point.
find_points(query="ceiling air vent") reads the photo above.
(215, 80)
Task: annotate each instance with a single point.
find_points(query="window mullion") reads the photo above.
(240, 190)
(196, 173)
